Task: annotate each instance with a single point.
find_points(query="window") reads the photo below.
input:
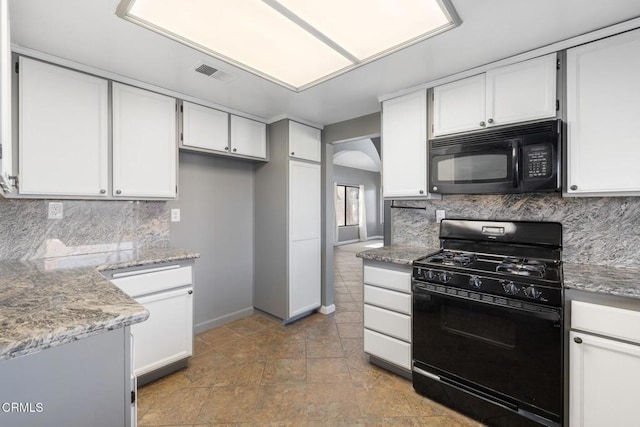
(347, 205)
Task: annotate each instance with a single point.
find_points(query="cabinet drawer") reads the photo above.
(144, 282)
(391, 279)
(388, 322)
(387, 348)
(605, 320)
(387, 299)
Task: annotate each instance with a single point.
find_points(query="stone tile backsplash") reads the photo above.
(596, 230)
(88, 226)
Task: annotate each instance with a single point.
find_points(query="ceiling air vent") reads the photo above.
(213, 72)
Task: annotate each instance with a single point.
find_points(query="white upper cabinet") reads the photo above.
(404, 146)
(514, 93)
(63, 129)
(459, 106)
(204, 127)
(248, 137)
(144, 143)
(603, 92)
(5, 99)
(304, 142)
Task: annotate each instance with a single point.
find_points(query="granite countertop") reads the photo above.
(619, 281)
(397, 254)
(48, 302)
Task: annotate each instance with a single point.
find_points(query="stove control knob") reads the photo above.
(532, 292)
(431, 274)
(475, 281)
(509, 287)
(445, 276)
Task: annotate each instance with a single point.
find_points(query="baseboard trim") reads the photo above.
(347, 242)
(376, 238)
(219, 321)
(327, 309)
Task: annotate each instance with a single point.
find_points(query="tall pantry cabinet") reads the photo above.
(287, 223)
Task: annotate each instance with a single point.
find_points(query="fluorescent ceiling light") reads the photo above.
(295, 43)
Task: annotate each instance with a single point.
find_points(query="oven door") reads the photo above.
(464, 168)
(512, 356)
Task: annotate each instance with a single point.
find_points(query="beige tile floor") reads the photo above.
(313, 372)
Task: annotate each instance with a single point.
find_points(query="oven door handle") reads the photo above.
(546, 313)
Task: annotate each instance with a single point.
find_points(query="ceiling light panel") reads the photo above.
(248, 33)
(367, 28)
(295, 43)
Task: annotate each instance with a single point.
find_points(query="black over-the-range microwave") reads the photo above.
(515, 159)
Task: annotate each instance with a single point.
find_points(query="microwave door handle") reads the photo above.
(515, 163)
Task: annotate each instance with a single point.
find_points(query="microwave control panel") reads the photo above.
(538, 161)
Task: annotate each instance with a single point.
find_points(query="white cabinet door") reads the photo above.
(604, 382)
(304, 142)
(63, 129)
(204, 127)
(603, 89)
(522, 91)
(404, 146)
(5, 99)
(459, 106)
(167, 336)
(304, 237)
(144, 143)
(248, 137)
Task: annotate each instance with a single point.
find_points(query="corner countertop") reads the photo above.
(603, 279)
(52, 301)
(397, 254)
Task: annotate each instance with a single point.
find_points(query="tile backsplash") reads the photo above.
(88, 226)
(596, 230)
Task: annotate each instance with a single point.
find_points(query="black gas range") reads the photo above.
(487, 321)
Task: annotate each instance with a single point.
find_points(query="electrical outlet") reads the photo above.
(55, 210)
(440, 215)
(175, 215)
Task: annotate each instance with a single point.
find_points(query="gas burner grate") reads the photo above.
(457, 259)
(522, 267)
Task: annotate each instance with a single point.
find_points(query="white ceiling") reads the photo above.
(88, 32)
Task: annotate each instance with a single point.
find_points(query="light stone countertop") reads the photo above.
(603, 279)
(397, 254)
(49, 302)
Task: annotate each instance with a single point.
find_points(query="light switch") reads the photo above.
(440, 215)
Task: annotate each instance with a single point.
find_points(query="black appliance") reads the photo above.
(487, 321)
(516, 159)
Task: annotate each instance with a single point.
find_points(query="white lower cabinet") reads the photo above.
(167, 336)
(604, 372)
(387, 313)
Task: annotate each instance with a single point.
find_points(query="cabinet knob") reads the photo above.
(482, 124)
(574, 187)
(293, 153)
(234, 150)
(189, 291)
(490, 121)
(421, 191)
(226, 148)
(577, 340)
(103, 191)
(435, 188)
(118, 191)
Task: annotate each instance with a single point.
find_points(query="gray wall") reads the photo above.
(596, 230)
(216, 203)
(371, 182)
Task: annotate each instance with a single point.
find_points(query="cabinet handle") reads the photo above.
(118, 191)
(490, 121)
(226, 148)
(103, 191)
(293, 153)
(421, 191)
(235, 149)
(574, 187)
(189, 292)
(577, 340)
(482, 124)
